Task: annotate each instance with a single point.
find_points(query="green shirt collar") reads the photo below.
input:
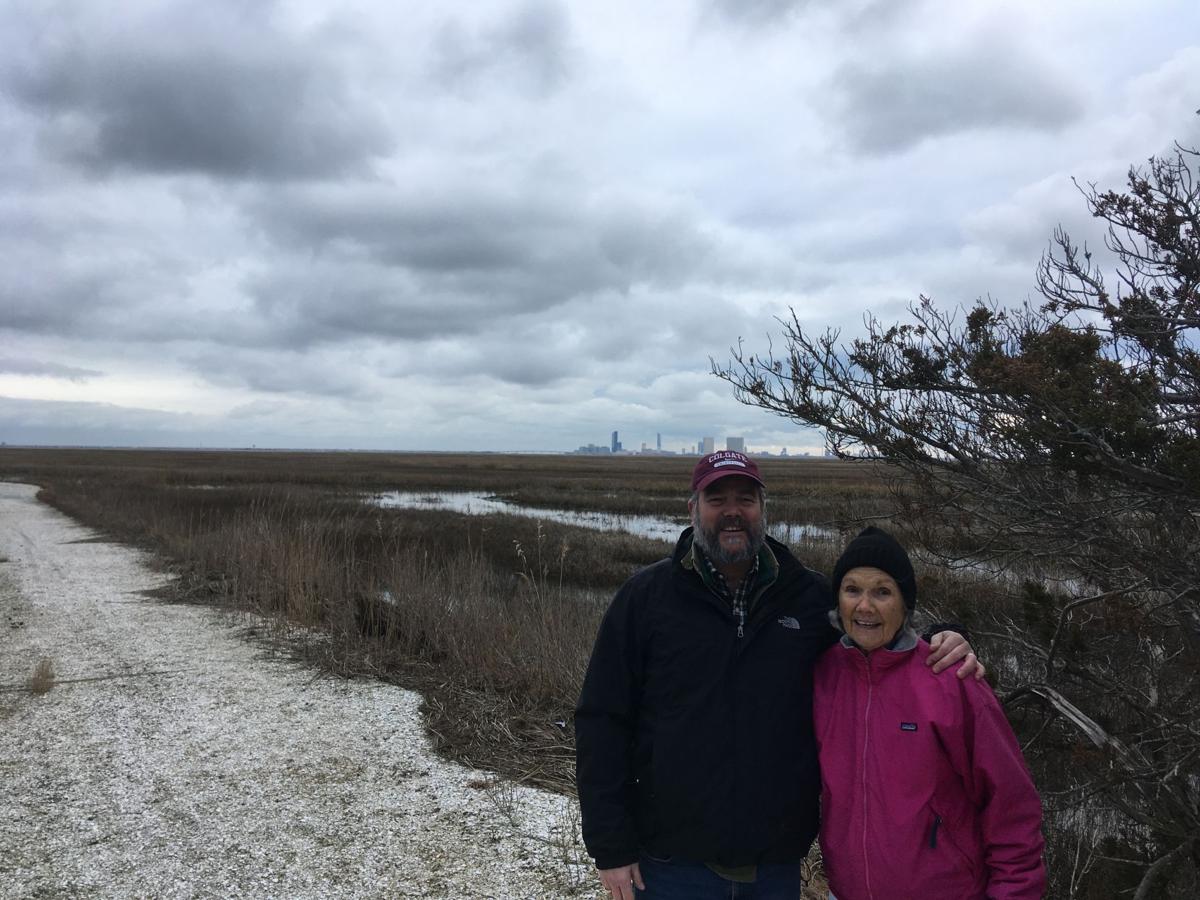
(768, 566)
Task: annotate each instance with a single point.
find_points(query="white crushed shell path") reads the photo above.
(197, 764)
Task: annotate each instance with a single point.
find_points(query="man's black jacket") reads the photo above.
(693, 743)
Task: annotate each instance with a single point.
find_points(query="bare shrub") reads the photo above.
(562, 834)
(42, 679)
(812, 872)
(1056, 447)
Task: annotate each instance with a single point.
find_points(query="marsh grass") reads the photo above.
(563, 835)
(492, 618)
(633, 485)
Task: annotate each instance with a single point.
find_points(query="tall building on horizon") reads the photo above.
(735, 443)
(616, 443)
(658, 446)
(707, 445)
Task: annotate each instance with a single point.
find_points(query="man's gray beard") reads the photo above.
(710, 541)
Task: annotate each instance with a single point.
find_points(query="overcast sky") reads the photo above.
(521, 225)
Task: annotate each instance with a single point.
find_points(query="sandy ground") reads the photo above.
(175, 757)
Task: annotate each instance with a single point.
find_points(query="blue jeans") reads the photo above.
(667, 880)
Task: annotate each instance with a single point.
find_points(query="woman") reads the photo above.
(924, 791)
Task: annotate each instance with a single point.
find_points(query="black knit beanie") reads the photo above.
(876, 548)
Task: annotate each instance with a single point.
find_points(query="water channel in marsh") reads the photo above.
(660, 528)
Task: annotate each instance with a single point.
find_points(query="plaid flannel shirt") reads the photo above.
(739, 597)
(761, 573)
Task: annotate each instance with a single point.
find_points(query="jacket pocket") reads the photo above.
(941, 839)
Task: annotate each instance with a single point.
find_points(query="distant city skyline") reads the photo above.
(706, 444)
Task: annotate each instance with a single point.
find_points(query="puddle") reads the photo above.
(655, 527)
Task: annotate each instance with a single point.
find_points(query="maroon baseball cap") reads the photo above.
(720, 464)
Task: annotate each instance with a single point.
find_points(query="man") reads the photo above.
(696, 759)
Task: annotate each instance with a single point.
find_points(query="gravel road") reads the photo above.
(175, 757)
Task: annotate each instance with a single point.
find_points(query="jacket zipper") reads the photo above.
(866, 748)
(740, 616)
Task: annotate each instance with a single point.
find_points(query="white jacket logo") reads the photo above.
(789, 622)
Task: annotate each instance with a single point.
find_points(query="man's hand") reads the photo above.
(947, 648)
(619, 882)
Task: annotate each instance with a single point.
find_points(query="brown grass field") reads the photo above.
(491, 617)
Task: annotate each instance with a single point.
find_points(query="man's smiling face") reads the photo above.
(730, 525)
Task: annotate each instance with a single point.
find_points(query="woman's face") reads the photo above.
(871, 607)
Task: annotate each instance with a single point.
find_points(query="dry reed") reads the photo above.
(42, 680)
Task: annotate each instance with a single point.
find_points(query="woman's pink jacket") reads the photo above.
(924, 791)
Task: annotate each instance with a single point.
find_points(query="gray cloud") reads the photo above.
(853, 16)
(521, 224)
(888, 105)
(531, 47)
(217, 91)
(1018, 230)
(597, 340)
(25, 366)
(259, 409)
(61, 305)
(756, 12)
(417, 263)
(128, 297)
(280, 372)
(73, 423)
(321, 300)
(531, 366)
(52, 422)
